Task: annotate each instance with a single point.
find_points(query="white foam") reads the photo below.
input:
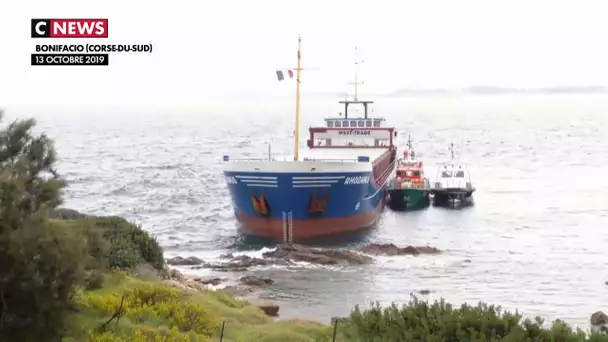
(255, 254)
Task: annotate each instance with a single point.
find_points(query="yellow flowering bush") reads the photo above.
(140, 335)
(159, 303)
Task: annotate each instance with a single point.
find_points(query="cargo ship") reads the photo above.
(337, 185)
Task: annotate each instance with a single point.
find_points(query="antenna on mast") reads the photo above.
(452, 149)
(296, 134)
(356, 83)
(409, 146)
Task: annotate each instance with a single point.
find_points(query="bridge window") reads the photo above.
(353, 123)
(344, 123)
(361, 123)
(330, 124)
(338, 124)
(460, 174)
(368, 123)
(376, 123)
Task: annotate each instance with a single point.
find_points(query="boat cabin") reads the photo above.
(352, 132)
(409, 171)
(453, 175)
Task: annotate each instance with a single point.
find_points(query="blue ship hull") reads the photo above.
(319, 204)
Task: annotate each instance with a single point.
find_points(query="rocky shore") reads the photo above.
(250, 287)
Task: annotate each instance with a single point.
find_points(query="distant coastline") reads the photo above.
(493, 90)
(474, 90)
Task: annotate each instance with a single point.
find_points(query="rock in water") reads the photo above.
(390, 249)
(599, 318)
(209, 281)
(317, 255)
(256, 281)
(189, 261)
(227, 256)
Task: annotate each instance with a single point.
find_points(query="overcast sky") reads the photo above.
(208, 49)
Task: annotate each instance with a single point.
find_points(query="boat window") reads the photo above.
(368, 123)
(401, 174)
(338, 124)
(344, 123)
(330, 124)
(460, 174)
(361, 123)
(353, 123)
(376, 123)
(417, 173)
(446, 174)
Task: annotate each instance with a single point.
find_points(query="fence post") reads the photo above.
(222, 331)
(335, 329)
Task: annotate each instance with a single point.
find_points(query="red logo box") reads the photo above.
(69, 28)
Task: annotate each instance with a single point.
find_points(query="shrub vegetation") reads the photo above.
(72, 279)
(440, 321)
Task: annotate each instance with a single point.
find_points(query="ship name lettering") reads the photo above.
(357, 180)
(230, 180)
(355, 132)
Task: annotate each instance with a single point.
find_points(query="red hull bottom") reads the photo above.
(310, 228)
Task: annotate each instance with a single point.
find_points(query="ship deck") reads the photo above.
(341, 154)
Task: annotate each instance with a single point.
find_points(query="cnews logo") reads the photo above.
(69, 28)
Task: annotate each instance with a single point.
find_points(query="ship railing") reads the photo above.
(246, 159)
(337, 160)
(385, 175)
(331, 160)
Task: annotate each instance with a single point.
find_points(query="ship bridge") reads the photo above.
(352, 132)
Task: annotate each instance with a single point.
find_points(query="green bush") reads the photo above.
(440, 321)
(129, 245)
(39, 263)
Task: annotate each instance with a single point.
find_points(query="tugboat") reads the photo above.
(409, 189)
(337, 186)
(453, 183)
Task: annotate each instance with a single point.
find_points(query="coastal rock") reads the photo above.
(241, 263)
(227, 256)
(177, 284)
(189, 261)
(209, 281)
(317, 255)
(238, 291)
(390, 249)
(284, 255)
(176, 275)
(256, 281)
(270, 309)
(599, 318)
(195, 285)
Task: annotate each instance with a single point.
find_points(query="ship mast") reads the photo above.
(296, 134)
(452, 149)
(356, 83)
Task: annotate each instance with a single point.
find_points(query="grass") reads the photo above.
(151, 316)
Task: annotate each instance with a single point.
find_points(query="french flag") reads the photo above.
(281, 74)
